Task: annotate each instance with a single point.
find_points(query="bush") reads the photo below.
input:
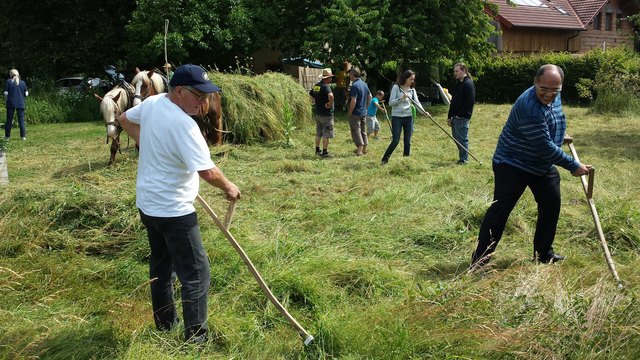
(610, 80)
(617, 84)
(504, 78)
(48, 105)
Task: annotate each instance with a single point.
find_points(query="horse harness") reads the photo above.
(130, 94)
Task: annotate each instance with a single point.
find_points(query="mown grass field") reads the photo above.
(371, 259)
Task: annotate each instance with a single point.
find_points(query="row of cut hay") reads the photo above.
(253, 106)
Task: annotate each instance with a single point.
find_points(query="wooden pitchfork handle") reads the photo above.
(588, 191)
(305, 335)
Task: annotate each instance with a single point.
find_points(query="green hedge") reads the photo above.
(602, 79)
(504, 78)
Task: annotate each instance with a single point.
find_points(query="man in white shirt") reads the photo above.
(173, 157)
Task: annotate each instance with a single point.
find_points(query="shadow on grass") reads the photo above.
(618, 144)
(86, 342)
(450, 270)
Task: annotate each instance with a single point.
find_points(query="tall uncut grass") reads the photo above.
(370, 259)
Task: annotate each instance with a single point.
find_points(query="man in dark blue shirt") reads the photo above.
(360, 98)
(528, 148)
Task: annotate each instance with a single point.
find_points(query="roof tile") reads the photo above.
(548, 16)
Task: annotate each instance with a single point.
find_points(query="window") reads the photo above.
(608, 22)
(619, 22)
(561, 10)
(597, 22)
(608, 18)
(537, 3)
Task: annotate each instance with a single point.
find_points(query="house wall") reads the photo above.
(536, 39)
(598, 38)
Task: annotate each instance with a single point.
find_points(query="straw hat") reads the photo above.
(326, 73)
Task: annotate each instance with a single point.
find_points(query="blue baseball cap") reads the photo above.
(194, 76)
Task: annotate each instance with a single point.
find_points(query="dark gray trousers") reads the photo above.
(176, 248)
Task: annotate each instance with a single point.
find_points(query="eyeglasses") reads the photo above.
(549, 91)
(200, 97)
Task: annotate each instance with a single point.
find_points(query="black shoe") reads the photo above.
(478, 264)
(550, 258)
(384, 161)
(325, 155)
(319, 153)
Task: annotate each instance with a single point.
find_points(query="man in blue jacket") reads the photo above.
(528, 149)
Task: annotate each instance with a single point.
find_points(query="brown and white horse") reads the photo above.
(112, 105)
(147, 83)
(209, 119)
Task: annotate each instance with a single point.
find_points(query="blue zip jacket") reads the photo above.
(531, 139)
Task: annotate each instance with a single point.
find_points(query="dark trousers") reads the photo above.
(510, 184)
(398, 125)
(176, 246)
(9, 123)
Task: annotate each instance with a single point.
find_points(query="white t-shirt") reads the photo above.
(172, 151)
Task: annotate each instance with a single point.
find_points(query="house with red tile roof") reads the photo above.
(561, 25)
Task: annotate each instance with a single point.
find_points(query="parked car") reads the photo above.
(72, 83)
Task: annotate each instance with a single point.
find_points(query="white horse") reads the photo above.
(112, 105)
(147, 83)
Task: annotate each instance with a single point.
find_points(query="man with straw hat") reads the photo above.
(323, 100)
(167, 70)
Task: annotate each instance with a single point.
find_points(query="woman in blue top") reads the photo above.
(401, 115)
(16, 91)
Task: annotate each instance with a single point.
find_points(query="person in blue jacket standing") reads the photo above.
(16, 91)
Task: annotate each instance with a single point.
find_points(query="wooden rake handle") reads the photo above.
(308, 338)
(229, 215)
(587, 180)
(587, 185)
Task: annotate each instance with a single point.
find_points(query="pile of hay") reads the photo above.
(253, 106)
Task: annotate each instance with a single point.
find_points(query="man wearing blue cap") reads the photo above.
(173, 156)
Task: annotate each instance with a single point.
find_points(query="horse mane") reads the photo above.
(108, 105)
(156, 80)
(158, 83)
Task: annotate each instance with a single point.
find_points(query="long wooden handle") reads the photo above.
(424, 112)
(308, 338)
(229, 215)
(588, 191)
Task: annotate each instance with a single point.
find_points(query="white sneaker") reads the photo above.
(24, 138)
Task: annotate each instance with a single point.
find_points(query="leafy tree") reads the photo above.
(436, 32)
(283, 23)
(207, 32)
(59, 37)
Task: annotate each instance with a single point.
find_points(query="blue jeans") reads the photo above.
(9, 123)
(176, 246)
(399, 124)
(460, 132)
(510, 184)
